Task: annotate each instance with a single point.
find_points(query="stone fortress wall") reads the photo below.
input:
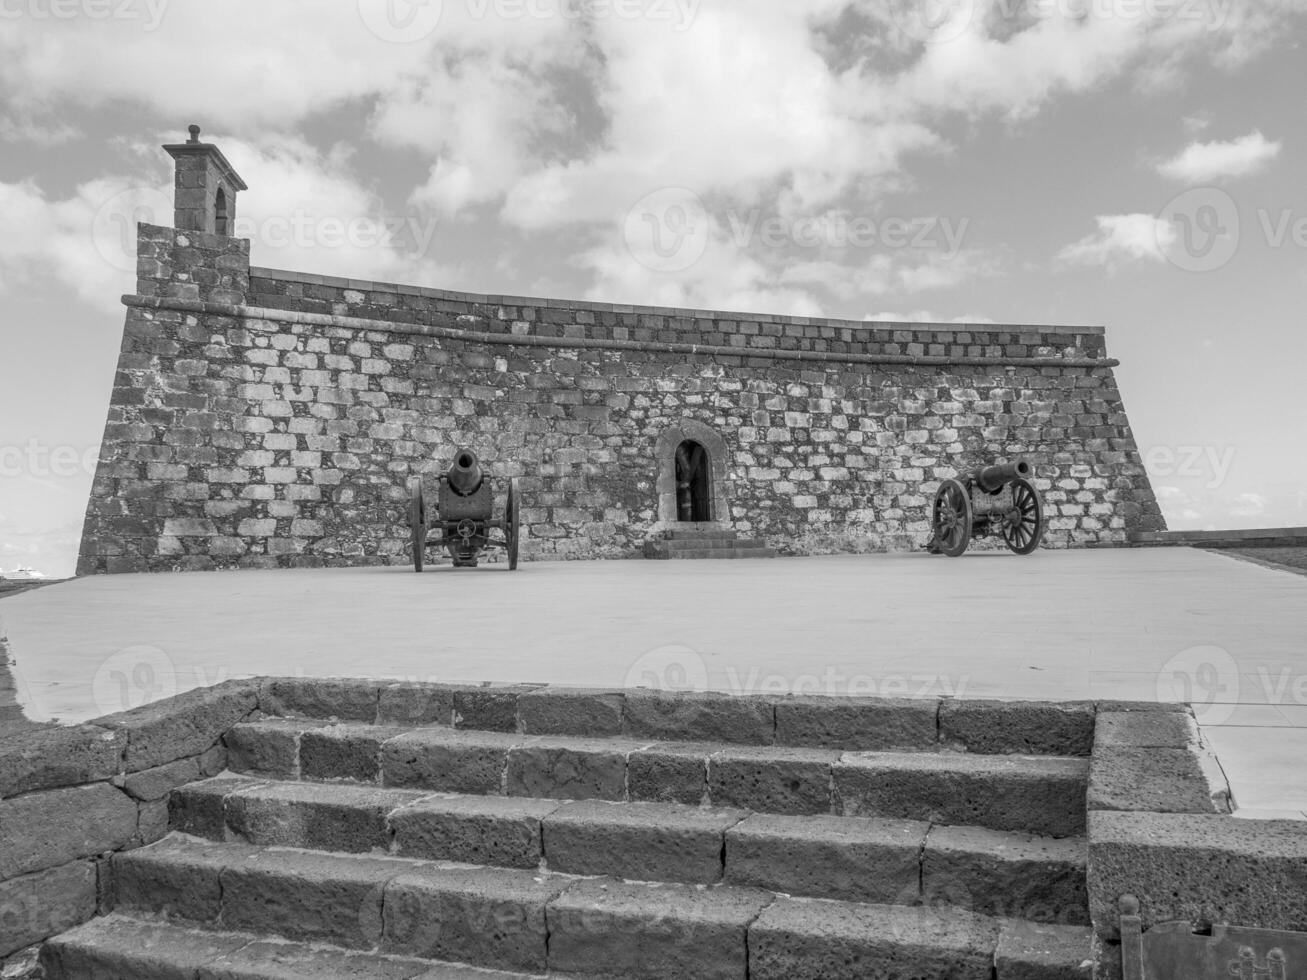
(270, 418)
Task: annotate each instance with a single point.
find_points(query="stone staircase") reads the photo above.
(705, 541)
(617, 834)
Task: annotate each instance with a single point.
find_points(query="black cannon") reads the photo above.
(991, 500)
(464, 515)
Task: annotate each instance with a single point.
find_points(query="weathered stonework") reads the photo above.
(264, 418)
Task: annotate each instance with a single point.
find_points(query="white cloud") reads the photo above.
(1122, 238)
(1248, 505)
(1200, 163)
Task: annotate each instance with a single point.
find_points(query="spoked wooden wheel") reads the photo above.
(951, 518)
(417, 521)
(1024, 526)
(511, 526)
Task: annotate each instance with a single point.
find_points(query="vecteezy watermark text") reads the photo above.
(1193, 462)
(148, 12)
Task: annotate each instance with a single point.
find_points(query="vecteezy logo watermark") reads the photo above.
(113, 228)
(1198, 231)
(1192, 462)
(667, 230)
(933, 21)
(132, 677)
(669, 668)
(1204, 677)
(400, 21)
(148, 12)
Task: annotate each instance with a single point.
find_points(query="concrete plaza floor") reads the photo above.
(1144, 624)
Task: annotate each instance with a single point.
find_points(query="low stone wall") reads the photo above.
(1160, 829)
(71, 797)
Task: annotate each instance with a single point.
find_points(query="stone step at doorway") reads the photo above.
(704, 541)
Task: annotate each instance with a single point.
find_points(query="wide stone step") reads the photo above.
(120, 947)
(877, 860)
(843, 722)
(536, 922)
(1040, 794)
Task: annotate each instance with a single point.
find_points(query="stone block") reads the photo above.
(449, 761)
(177, 877)
(571, 711)
(332, 817)
(488, 830)
(1006, 875)
(655, 932)
(1159, 780)
(698, 716)
(1145, 729)
(151, 822)
(1019, 727)
(185, 725)
(332, 898)
(342, 698)
(199, 808)
(857, 724)
(1031, 951)
(46, 758)
(1197, 868)
(117, 947)
(561, 768)
(416, 704)
(490, 917)
(53, 827)
(35, 906)
(669, 773)
(344, 751)
(808, 939)
(772, 780)
(268, 747)
(1040, 795)
(156, 783)
(489, 708)
(858, 859)
(638, 841)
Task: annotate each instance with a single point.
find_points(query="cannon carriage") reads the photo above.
(463, 518)
(992, 500)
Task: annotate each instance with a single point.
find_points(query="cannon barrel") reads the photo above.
(991, 478)
(464, 473)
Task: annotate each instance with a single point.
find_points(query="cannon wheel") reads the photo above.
(951, 518)
(511, 527)
(417, 521)
(1023, 534)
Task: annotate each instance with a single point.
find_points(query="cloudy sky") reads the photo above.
(1137, 164)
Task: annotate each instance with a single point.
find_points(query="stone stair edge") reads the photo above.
(973, 724)
(1038, 793)
(564, 907)
(821, 856)
(123, 937)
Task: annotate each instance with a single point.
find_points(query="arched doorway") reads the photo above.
(693, 482)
